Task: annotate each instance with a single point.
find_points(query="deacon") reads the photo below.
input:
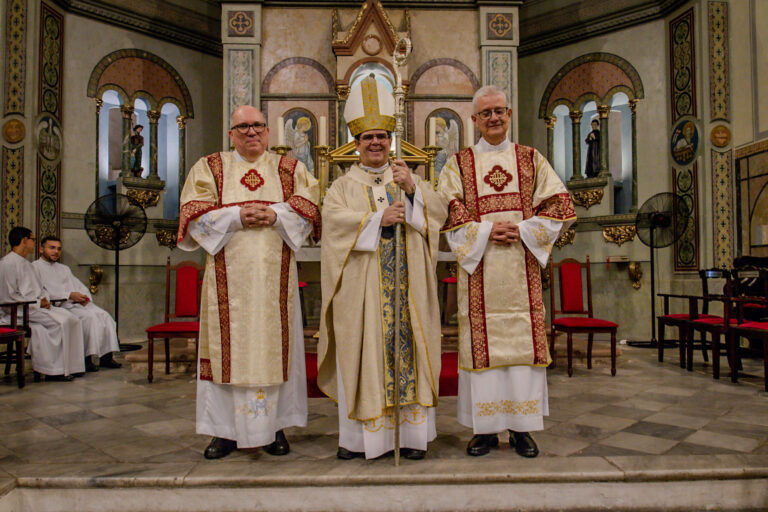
(99, 329)
(250, 210)
(506, 209)
(56, 345)
(357, 332)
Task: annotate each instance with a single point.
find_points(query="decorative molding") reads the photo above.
(143, 197)
(635, 272)
(546, 32)
(719, 65)
(329, 81)
(12, 192)
(444, 62)
(619, 234)
(166, 238)
(686, 248)
(206, 41)
(588, 197)
(682, 65)
(752, 149)
(566, 238)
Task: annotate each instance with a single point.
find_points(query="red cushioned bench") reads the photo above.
(449, 375)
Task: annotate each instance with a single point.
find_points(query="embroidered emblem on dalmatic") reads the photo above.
(497, 178)
(252, 180)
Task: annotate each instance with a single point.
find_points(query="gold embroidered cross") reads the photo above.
(252, 180)
(497, 178)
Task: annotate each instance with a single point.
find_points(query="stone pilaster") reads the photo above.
(154, 117)
(241, 52)
(550, 122)
(576, 136)
(499, 39)
(127, 112)
(182, 122)
(604, 111)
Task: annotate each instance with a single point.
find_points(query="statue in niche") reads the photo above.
(592, 168)
(447, 136)
(137, 143)
(298, 136)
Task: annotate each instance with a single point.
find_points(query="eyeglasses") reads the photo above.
(368, 137)
(486, 114)
(244, 128)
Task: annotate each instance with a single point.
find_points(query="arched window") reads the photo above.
(168, 158)
(110, 141)
(140, 119)
(563, 143)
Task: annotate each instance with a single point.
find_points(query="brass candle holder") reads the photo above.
(432, 152)
(281, 150)
(324, 171)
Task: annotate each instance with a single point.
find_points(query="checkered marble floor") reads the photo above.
(648, 408)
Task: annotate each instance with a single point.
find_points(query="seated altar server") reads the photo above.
(56, 345)
(356, 350)
(99, 330)
(250, 210)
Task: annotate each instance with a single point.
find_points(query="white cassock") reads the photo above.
(56, 345)
(417, 423)
(506, 384)
(252, 415)
(99, 329)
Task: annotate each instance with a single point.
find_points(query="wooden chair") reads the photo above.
(186, 305)
(751, 282)
(751, 330)
(682, 320)
(568, 282)
(13, 336)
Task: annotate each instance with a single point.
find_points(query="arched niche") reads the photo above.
(298, 75)
(444, 76)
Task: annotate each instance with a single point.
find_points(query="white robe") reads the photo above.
(417, 423)
(508, 383)
(99, 329)
(56, 345)
(252, 415)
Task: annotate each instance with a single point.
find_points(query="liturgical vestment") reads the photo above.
(56, 345)
(99, 329)
(503, 349)
(357, 330)
(251, 374)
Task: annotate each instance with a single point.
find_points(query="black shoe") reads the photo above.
(59, 378)
(344, 454)
(219, 448)
(481, 444)
(279, 446)
(89, 366)
(524, 444)
(108, 361)
(412, 453)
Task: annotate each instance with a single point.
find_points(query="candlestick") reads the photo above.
(280, 131)
(432, 130)
(322, 137)
(469, 133)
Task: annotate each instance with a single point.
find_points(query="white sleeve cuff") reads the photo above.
(468, 243)
(213, 230)
(414, 212)
(539, 235)
(370, 235)
(292, 227)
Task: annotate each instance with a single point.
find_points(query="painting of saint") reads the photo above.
(685, 141)
(300, 135)
(447, 136)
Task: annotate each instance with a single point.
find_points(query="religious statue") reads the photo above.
(137, 143)
(593, 151)
(447, 138)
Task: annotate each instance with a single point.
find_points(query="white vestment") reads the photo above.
(251, 415)
(479, 391)
(99, 329)
(56, 345)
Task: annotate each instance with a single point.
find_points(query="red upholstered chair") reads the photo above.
(682, 320)
(187, 277)
(13, 336)
(754, 283)
(568, 285)
(751, 330)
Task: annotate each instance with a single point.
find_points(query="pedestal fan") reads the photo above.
(659, 222)
(115, 222)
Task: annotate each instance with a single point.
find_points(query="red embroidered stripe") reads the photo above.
(457, 215)
(285, 169)
(285, 266)
(222, 297)
(558, 207)
(217, 169)
(500, 203)
(189, 212)
(525, 173)
(205, 369)
(309, 211)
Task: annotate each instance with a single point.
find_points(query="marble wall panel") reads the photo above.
(241, 88)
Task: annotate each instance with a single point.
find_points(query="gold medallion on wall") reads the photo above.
(720, 136)
(14, 131)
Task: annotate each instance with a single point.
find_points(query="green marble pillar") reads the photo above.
(154, 117)
(604, 111)
(575, 116)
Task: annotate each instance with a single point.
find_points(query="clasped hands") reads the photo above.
(257, 215)
(401, 175)
(504, 233)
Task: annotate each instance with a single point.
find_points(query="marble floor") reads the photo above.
(650, 418)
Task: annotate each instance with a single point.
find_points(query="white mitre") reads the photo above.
(369, 107)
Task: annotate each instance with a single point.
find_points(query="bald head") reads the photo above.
(248, 132)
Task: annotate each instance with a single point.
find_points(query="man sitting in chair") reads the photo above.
(56, 345)
(99, 329)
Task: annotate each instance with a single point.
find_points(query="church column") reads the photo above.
(99, 104)
(633, 108)
(604, 111)
(127, 112)
(342, 92)
(241, 49)
(499, 39)
(550, 122)
(182, 122)
(575, 116)
(154, 117)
